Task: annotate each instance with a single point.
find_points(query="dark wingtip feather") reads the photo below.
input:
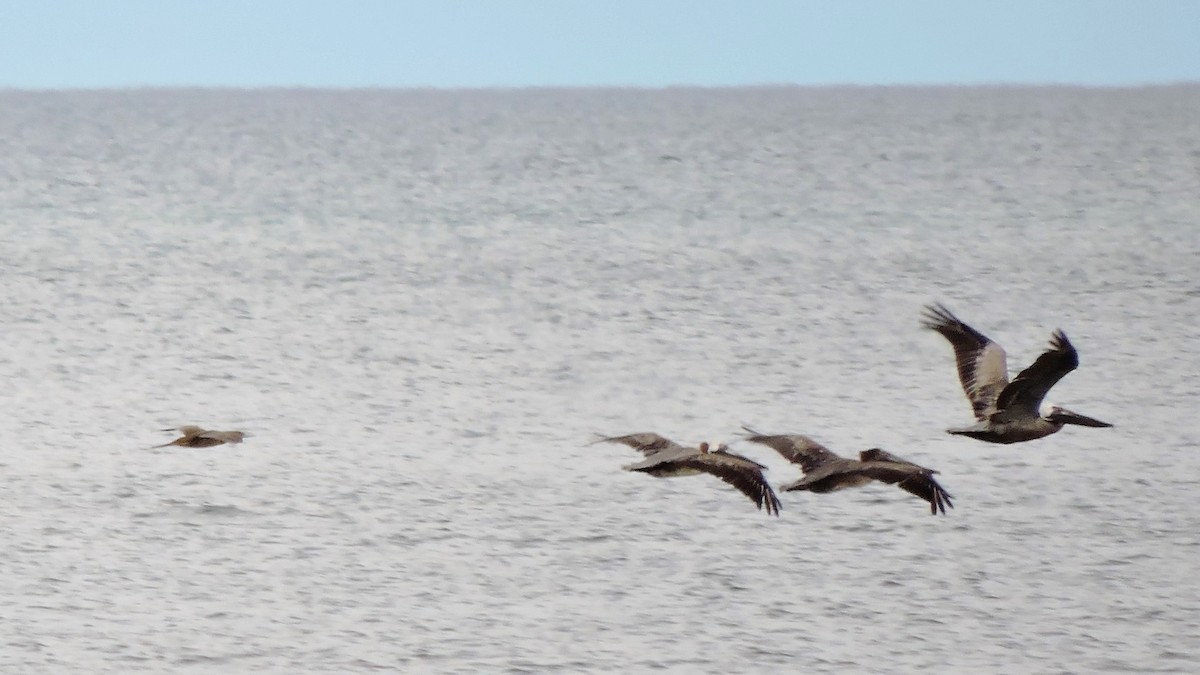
(1059, 341)
(943, 499)
(772, 500)
(937, 317)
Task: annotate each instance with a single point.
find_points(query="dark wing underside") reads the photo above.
(1029, 387)
(833, 473)
(982, 364)
(795, 448)
(911, 478)
(739, 472)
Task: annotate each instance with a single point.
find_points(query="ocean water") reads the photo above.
(423, 306)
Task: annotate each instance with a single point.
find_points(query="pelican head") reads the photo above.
(1060, 415)
(704, 448)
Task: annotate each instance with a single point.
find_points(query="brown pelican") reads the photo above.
(1008, 412)
(196, 437)
(825, 471)
(666, 458)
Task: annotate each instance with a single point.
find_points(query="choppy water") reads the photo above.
(424, 304)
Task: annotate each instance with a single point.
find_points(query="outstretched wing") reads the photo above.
(881, 455)
(795, 448)
(218, 437)
(723, 449)
(738, 471)
(202, 442)
(982, 364)
(1029, 387)
(647, 443)
(911, 478)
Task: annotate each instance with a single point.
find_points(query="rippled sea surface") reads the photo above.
(423, 305)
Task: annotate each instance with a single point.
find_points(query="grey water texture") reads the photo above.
(423, 305)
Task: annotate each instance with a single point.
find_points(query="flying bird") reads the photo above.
(1007, 412)
(665, 458)
(197, 437)
(825, 471)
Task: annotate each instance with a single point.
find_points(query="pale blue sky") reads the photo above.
(649, 43)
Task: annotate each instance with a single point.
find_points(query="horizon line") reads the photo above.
(981, 84)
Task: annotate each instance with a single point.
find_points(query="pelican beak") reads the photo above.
(1068, 417)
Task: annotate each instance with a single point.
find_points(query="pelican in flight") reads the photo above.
(665, 458)
(196, 437)
(1007, 412)
(825, 471)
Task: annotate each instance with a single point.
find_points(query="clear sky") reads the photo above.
(649, 43)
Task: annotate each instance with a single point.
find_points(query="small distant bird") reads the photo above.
(196, 437)
(666, 458)
(1008, 412)
(825, 471)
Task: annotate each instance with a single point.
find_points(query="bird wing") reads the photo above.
(911, 478)
(880, 455)
(795, 448)
(724, 450)
(1029, 387)
(740, 472)
(647, 443)
(982, 364)
(835, 468)
(202, 442)
(190, 433)
(221, 436)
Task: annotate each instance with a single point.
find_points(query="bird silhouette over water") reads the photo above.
(665, 458)
(1007, 412)
(198, 437)
(825, 471)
